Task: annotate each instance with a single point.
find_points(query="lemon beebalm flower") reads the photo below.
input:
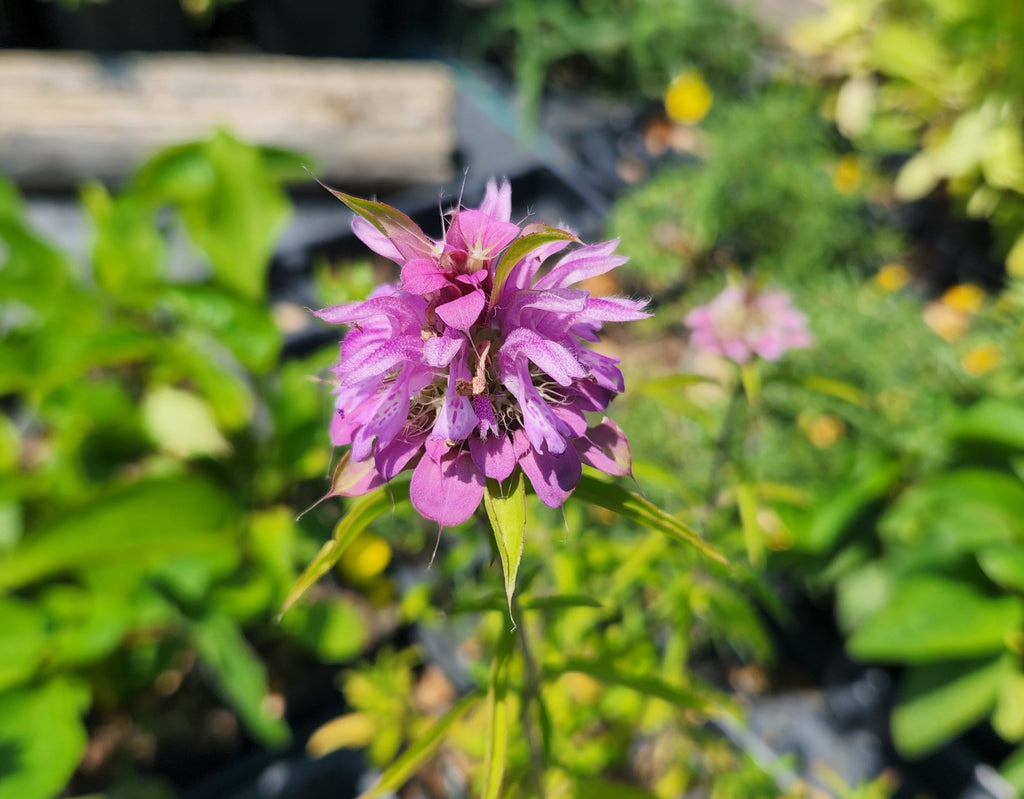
(981, 360)
(847, 174)
(688, 98)
(892, 277)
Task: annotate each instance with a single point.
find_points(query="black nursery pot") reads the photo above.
(340, 28)
(119, 25)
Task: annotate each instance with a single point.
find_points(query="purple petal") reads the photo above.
(393, 458)
(606, 448)
(554, 359)
(615, 309)
(440, 350)
(494, 456)
(380, 360)
(456, 419)
(497, 202)
(463, 312)
(402, 310)
(525, 270)
(541, 426)
(586, 262)
(368, 234)
(604, 369)
(447, 492)
(553, 477)
(422, 276)
(481, 235)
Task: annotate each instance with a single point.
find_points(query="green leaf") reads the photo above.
(87, 625)
(838, 389)
(144, 523)
(1012, 769)
(520, 248)
(42, 738)
(634, 507)
(128, 250)
(363, 511)
(506, 509)
(496, 757)
(1008, 719)
(238, 675)
(560, 602)
(991, 421)
(421, 750)
(333, 630)
(753, 537)
(933, 618)
(834, 514)
(642, 683)
(179, 174)
(23, 640)
(182, 424)
(1003, 564)
(236, 224)
(938, 701)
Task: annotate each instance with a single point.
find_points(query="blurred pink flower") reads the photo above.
(462, 374)
(741, 323)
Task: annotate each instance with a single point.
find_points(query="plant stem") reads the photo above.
(531, 693)
(721, 449)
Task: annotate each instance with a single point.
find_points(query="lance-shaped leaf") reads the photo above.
(522, 247)
(633, 506)
(496, 757)
(399, 229)
(506, 508)
(399, 772)
(363, 511)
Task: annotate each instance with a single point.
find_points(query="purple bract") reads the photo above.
(477, 362)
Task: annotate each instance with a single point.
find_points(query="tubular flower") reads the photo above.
(476, 364)
(741, 323)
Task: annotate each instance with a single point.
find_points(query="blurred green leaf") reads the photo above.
(24, 638)
(420, 751)
(1003, 563)
(937, 701)
(931, 618)
(42, 738)
(1008, 718)
(238, 675)
(363, 511)
(333, 629)
(182, 424)
(128, 251)
(145, 522)
(992, 421)
(180, 174)
(236, 223)
(87, 625)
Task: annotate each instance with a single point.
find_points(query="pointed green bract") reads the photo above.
(391, 222)
(421, 750)
(522, 247)
(633, 506)
(506, 508)
(363, 511)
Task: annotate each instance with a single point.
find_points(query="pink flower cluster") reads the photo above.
(741, 323)
(476, 363)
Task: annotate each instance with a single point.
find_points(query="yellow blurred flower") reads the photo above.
(688, 98)
(981, 359)
(846, 176)
(965, 298)
(892, 277)
(365, 558)
(826, 430)
(945, 321)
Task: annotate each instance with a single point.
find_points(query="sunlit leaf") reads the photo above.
(634, 507)
(937, 701)
(42, 738)
(932, 618)
(1008, 718)
(506, 509)
(421, 750)
(182, 424)
(351, 730)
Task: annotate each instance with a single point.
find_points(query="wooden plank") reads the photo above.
(65, 117)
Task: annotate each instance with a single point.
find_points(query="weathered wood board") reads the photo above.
(65, 117)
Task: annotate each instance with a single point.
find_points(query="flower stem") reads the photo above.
(531, 694)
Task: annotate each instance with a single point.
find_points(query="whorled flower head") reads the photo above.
(477, 362)
(741, 323)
